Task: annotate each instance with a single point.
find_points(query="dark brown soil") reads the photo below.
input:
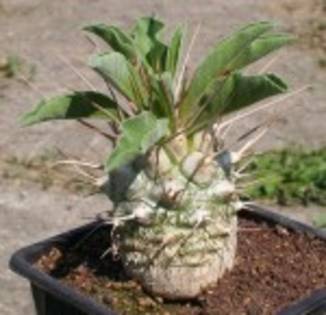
(274, 268)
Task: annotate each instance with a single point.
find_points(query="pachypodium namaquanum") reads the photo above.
(171, 178)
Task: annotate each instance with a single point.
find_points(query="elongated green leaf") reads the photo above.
(146, 40)
(248, 90)
(116, 69)
(238, 92)
(157, 56)
(139, 134)
(145, 32)
(116, 38)
(72, 106)
(149, 25)
(259, 48)
(173, 52)
(235, 52)
(162, 102)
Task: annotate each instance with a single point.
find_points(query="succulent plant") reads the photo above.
(172, 181)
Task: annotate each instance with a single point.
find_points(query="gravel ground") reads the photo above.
(40, 31)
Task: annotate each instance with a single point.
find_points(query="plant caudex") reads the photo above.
(172, 182)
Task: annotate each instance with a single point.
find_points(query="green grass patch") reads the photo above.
(289, 177)
(13, 66)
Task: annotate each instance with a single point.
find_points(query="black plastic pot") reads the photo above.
(54, 298)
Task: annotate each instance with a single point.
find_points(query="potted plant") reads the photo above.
(171, 178)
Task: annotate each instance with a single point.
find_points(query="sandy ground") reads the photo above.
(41, 31)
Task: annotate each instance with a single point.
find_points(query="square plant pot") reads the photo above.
(51, 297)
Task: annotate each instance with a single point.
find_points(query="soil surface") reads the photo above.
(274, 268)
(40, 32)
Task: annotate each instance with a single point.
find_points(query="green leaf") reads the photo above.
(259, 48)
(248, 90)
(157, 56)
(138, 135)
(115, 68)
(146, 40)
(146, 30)
(173, 53)
(72, 106)
(116, 38)
(162, 102)
(238, 92)
(237, 51)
